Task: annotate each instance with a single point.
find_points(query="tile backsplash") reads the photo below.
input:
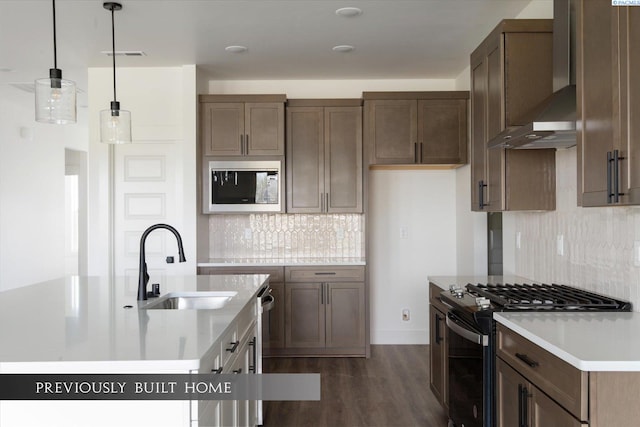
(598, 243)
(286, 236)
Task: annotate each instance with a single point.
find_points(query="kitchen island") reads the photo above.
(95, 325)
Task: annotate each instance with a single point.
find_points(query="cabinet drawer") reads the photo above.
(276, 274)
(324, 274)
(246, 318)
(564, 383)
(229, 344)
(434, 297)
(211, 361)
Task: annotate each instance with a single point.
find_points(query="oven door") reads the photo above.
(469, 381)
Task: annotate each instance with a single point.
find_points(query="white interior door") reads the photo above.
(147, 190)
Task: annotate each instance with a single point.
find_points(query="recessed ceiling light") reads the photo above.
(349, 12)
(343, 48)
(236, 49)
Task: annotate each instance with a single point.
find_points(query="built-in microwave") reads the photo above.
(243, 186)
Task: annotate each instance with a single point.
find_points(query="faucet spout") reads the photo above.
(143, 275)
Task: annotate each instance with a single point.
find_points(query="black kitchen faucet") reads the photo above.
(143, 276)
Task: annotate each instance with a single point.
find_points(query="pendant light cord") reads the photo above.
(113, 46)
(55, 52)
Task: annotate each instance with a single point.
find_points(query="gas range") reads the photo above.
(476, 301)
(472, 339)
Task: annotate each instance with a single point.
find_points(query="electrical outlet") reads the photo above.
(406, 315)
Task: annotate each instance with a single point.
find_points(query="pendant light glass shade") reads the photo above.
(115, 124)
(55, 97)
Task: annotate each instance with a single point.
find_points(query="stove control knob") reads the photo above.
(458, 293)
(483, 302)
(455, 289)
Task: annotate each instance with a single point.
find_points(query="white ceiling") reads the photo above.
(286, 39)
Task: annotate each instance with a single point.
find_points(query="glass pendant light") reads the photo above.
(55, 97)
(115, 124)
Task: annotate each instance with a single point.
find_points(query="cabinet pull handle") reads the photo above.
(609, 172)
(415, 152)
(234, 346)
(437, 326)
(217, 371)
(616, 176)
(523, 411)
(421, 154)
(325, 273)
(326, 203)
(328, 293)
(237, 371)
(526, 359)
(481, 187)
(254, 353)
(321, 293)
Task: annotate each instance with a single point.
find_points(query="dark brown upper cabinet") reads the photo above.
(511, 72)
(242, 125)
(608, 94)
(324, 156)
(416, 127)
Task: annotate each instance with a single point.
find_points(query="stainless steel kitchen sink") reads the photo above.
(192, 301)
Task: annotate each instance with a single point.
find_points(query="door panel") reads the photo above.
(264, 127)
(443, 131)
(394, 131)
(222, 124)
(305, 315)
(343, 159)
(478, 131)
(345, 314)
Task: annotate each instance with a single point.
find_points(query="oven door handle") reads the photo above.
(465, 333)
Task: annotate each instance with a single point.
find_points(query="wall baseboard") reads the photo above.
(387, 336)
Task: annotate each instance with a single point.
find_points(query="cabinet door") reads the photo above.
(478, 134)
(509, 401)
(494, 192)
(305, 159)
(222, 126)
(264, 128)
(304, 315)
(547, 413)
(594, 99)
(273, 320)
(392, 131)
(438, 355)
(629, 102)
(345, 314)
(442, 131)
(343, 159)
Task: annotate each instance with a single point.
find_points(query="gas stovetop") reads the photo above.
(480, 300)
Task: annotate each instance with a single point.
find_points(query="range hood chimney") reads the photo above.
(552, 123)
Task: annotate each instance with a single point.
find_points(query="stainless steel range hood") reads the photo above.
(552, 123)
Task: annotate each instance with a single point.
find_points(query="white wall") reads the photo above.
(163, 105)
(32, 190)
(600, 244)
(326, 88)
(412, 232)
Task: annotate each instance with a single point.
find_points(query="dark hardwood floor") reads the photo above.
(390, 389)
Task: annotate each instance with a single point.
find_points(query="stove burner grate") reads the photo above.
(523, 296)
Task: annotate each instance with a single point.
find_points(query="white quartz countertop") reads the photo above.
(80, 325)
(280, 262)
(588, 341)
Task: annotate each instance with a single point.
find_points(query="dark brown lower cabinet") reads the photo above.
(438, 347)
(520, 403)
(322, 315)
(273, 321)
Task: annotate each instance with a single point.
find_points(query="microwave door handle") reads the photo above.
(466, 333)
